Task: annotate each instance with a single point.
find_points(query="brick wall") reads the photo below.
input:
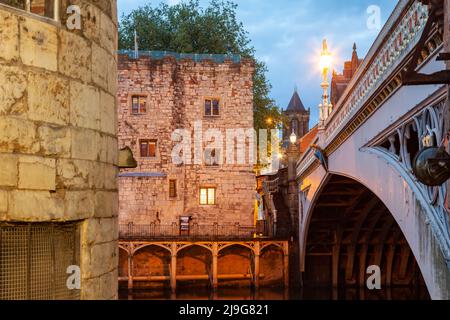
(175, 92)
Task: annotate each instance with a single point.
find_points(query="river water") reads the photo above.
(395, 293)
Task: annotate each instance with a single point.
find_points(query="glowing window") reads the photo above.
(207, 196)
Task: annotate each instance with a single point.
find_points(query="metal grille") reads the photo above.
(34, 259)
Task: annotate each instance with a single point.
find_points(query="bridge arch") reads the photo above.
(376, 175)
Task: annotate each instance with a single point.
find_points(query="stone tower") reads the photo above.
(160, 93)
(297, 119)
(58, 151)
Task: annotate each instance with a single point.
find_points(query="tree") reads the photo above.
(188, 28)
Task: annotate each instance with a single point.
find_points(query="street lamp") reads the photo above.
(325, 65)
(293, 138)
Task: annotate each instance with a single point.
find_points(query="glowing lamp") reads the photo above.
(293, 138)
(325, 58)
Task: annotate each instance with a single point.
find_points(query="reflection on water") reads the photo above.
(395, 293)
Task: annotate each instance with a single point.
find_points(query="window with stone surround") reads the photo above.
(172, 188)
(148, 148)
(212, 157)
(138, 104)
(46, 8)
(208, 196)
(212, 107)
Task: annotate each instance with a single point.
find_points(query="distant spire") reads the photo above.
(295, 88)
(355, 59)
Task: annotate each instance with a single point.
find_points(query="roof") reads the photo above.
(307, 139)
(296, 104)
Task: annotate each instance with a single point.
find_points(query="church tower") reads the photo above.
(297, 119)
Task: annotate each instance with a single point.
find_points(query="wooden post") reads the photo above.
(335, 265)
(130, 271)
(173, 268)
(286, 264)
(56, 10)
(256, 251)
(215, 254)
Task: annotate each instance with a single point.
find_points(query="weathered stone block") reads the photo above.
(27, 205)
(84, 106)
(38, 44)
(110, 177)
(106, 204)
(37, 173)
(48, 98)
(109, 284)
(112, 151)
(3, 201)
(97, 231)
(72, 173)
(55, 140)
(13, 84)
(98, 259)
(9, 36)
(108, 34)
(108, 114)
(101, 69)
(75, 63)
(9, 171)
(78, 204)
(17, 135)
(84, 144)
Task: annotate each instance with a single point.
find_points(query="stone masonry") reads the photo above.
(58, 143)
(175, 92)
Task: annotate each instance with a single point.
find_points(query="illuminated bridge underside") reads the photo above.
(351, 229)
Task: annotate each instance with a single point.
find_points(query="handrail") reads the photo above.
(156, 231)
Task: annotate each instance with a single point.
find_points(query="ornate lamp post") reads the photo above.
(325, 107)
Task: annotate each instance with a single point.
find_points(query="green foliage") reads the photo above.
(188, 28)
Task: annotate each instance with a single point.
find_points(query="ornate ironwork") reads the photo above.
(423, 130)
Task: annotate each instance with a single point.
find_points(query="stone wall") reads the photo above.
(58, 144)
(175, 92)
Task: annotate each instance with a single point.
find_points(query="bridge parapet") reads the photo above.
(397, 39)
(378, 78)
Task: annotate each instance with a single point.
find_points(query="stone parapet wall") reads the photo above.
(175, 91)
(58, 141)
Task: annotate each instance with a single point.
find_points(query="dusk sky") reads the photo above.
(287, 35)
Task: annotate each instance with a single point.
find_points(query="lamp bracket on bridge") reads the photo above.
(431, 166)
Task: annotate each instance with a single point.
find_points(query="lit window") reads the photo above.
(138, 105)
(172, 188)
(148, 148)
(207, 196)
(212, 107)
